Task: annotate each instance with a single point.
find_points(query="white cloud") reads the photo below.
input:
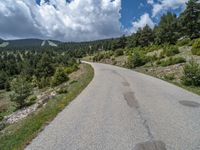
(164, 5)
(150, 2)
(142, 22)
(78, 20)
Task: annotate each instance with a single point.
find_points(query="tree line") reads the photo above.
(21, 71)
(169, 30)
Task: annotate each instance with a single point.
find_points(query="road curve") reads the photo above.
(125, 110)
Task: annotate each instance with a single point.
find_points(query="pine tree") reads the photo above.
(21, 90)
(166, 31)
(44, 67)
(59, 77)
(190, 19)
(146, 36)
(120, 43)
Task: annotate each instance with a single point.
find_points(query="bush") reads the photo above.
(172, 61)
(7, 85)
(71, 69)
(2, 126)
(170, 50)
(191, 73)
(119, 52)
(62, 90)
(21, 89)
(169, 77)
(152, 48)
(136, 60)
(43, 82)
(152, 58)
(196, 47)
(1, 117)
(59, 77)
(98, 57)
(31, 100)
(3, 107)
(3, 78)
(183, 42)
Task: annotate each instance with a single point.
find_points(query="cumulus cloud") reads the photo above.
(165, 5)
(75, 20)
(150, 2)
(158, 7)
(142, 22)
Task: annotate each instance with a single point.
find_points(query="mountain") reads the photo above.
(28, 43)
(1, 40)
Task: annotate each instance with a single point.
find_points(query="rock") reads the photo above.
(24, 112)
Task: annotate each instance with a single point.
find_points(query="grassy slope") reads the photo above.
(17, 136)
(159, 71)
(193, 89)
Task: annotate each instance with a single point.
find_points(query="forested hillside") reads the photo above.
(38, 78)
(170, 30)
(170, 51)
(35, 85)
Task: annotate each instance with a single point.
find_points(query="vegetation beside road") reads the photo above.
(16, 136)
(170, 51)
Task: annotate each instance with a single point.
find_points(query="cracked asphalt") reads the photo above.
(125, 110)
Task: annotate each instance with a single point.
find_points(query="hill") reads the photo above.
(28, 43)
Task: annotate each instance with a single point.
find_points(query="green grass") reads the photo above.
(171, 61)
(6, 106)
(192, 89)
(17, 136)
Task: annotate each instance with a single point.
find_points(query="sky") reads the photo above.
(80, 20)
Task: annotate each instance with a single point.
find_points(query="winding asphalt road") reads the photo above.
(125, 110)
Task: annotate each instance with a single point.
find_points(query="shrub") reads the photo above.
(3, 107)
(7, 85)
(152, 58)
(73, 81)
(31, 100)
(59, 77)
(170, 50)
(21, 89)
(183, 42)
(2, 126)
(196, 47)
(172, 61)
(191, 73)
(169, 77)
(119, 52)
(98, 57)
(136, 60)
(152, 48)
(62, 90)
(43, 82)
(71, 69)
(106, 55)
(3, 78)
(1, 118)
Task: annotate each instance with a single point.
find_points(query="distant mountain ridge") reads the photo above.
(28, 43)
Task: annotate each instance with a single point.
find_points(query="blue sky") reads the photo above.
(80, 20)
(132, 10)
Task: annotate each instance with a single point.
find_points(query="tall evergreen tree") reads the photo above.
(190, 19)
(44, 67)
(120, 43)
(21, 90)
(146, 36)
(166, 31)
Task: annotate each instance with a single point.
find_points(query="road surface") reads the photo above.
(125, 110)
